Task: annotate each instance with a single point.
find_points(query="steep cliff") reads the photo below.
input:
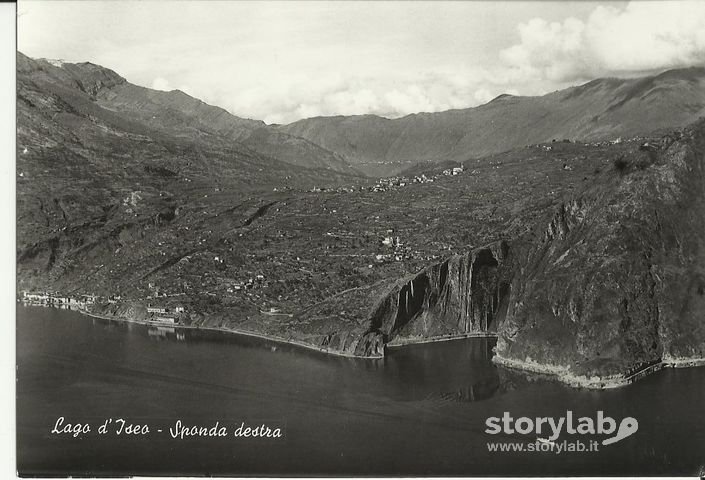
(616, 280)
(464, 294)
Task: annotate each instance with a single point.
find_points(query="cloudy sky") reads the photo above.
(282, 61)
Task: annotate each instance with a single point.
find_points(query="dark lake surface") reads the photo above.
(419, 411)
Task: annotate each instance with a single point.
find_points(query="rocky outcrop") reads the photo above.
(87, 77)
(617, 279)
(465, 294)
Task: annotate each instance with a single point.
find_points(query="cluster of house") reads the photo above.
(56, 300)
(250, 283)
(645, 143)
(165, 315)
(384, 184)
(393, 242)
(351, 189)
(398, 251)
(454, 170)
(615, 141)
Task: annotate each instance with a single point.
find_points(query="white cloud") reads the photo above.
(277, 102)
(483, 95)
(160, 83)
(642, 37)
(163, 84)
(639, 38)
(282, 61)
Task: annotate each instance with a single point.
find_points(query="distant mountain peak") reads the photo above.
(501, 96)
(87, 71)
(695, 73)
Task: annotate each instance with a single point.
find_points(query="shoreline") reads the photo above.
(557, 373)
(297, 343)
(438, 339)
(563, 375)
(233, 331)
(684, 362)
(274, 338)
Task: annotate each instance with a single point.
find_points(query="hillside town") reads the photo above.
(389, 183)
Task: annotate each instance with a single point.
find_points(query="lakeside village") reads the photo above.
(159, 315)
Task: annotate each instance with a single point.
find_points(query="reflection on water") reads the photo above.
(459, 370)
(420, 410)
(166, 333)
(481, 390)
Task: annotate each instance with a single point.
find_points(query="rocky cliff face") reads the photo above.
(464, 294)
(617, 278)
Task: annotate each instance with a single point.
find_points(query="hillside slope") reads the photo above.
(175, 113)
(86, 174)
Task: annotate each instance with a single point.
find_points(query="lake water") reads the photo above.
(419, 411)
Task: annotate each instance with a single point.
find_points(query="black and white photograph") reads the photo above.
(358, 238)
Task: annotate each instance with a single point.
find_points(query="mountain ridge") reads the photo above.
(601, 109)
(373, 145)
(176, 112)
